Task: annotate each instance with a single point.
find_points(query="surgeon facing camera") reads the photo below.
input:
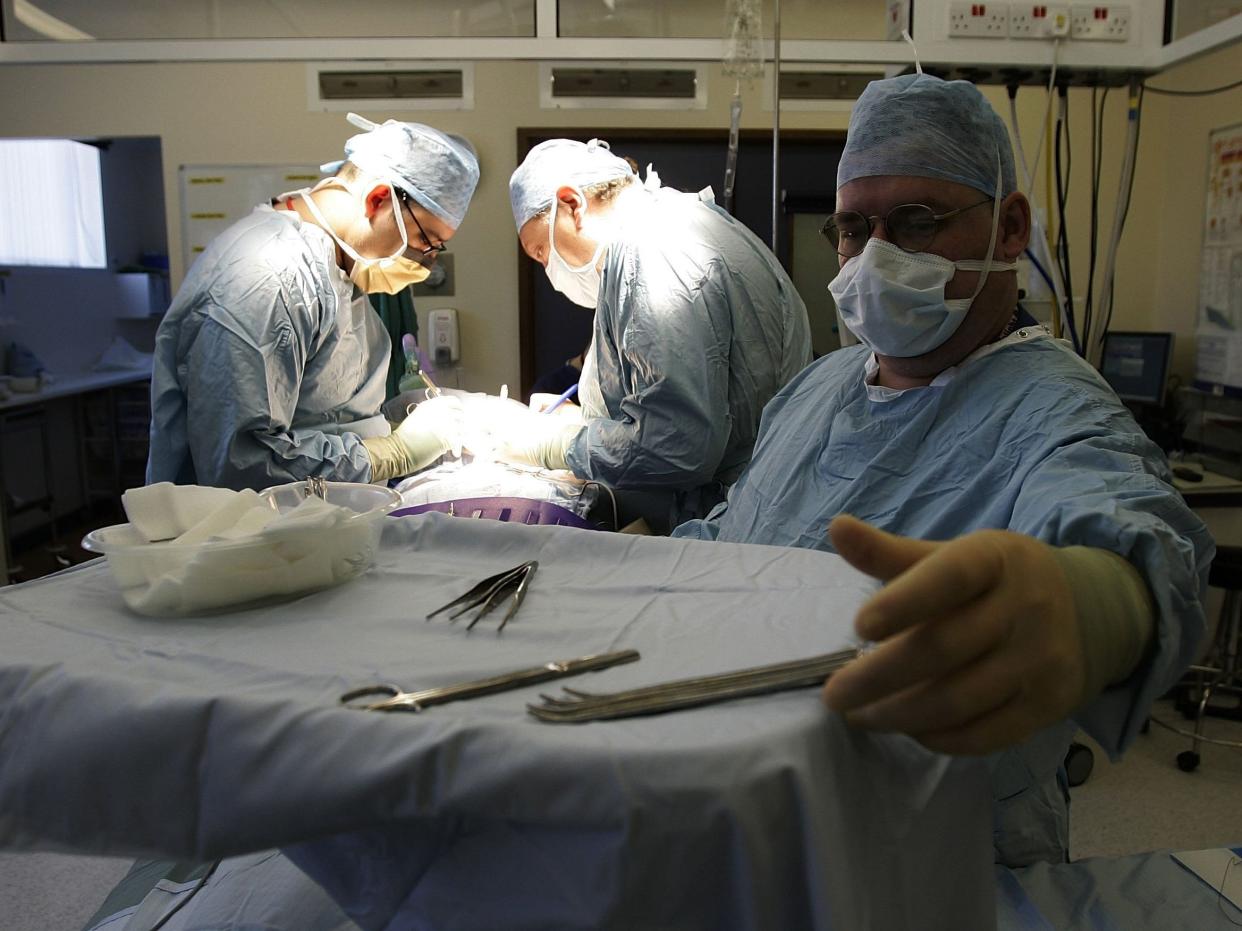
(1040, 573)
(270, 366)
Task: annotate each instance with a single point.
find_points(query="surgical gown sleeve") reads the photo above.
(663, 347)
(1112, 491)
(243, 436)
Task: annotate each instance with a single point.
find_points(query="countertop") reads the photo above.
(76, 383)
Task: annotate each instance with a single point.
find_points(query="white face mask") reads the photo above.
(578, 283)
(894, 300)
(388, 275)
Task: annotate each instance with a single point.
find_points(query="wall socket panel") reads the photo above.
(1100, 23)
(978, 20)
(1039, 20)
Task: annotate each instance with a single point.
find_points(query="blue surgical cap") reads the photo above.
(919, 125)
(556, 163)
(437, 170)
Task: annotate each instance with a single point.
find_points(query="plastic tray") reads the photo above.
(175, 579)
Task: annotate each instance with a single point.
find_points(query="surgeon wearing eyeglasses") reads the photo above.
(1040, 573)
(270, 365)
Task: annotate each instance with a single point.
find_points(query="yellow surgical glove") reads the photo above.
(536, 439)
(431, 430)
(986, 639)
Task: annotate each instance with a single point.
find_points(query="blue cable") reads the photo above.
(1069, 313)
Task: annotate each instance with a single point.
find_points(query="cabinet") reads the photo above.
(76, 441)
(115, 433)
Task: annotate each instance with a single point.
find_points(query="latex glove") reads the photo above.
(432, 429)
(535, 439)
(979, 641)
(487, 417)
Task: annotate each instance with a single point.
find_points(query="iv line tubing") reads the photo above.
(776, 124)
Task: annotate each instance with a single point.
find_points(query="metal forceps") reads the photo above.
(432, 391)
(396, 698)
(490, 592)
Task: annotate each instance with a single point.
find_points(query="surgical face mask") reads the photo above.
(388, 275)
(578, 283)
(894, 300)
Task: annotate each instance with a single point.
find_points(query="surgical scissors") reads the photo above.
(490, 592)
(397, 699)
(431, 391)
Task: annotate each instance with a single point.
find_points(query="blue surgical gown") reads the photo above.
(269, 366)
(696, 328)
(1022, 436)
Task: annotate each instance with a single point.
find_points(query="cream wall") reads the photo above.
(245, 113)
(1180, 190)
(1158, 265)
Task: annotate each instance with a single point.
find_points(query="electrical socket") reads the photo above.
(1100, 23)
(978, 20)
(1039, 20)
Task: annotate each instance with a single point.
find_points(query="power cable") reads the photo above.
(1138, 132)
(1062, 192)
(1169, 92)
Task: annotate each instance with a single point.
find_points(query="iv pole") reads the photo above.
(776, 124)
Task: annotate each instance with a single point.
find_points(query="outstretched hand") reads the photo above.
(978, 645)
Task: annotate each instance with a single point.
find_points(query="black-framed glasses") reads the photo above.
(910, 227)
(431, 248)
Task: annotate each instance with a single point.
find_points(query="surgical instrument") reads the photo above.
(490, 592)
(433, 390)
(564, 396)
(686, 693)
(317, 487)
(397, 699)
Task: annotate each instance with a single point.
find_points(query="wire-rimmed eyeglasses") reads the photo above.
(431, 249)
(910, 227)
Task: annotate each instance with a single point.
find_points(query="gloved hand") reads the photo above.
(432, 429)
(535, 439)
(979, 639)
(487, 419)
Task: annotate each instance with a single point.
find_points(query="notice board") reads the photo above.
(1218, 360)
(213, 197)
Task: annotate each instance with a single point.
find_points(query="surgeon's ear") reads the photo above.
(1015, 226)
(375, 199)
(572, 198)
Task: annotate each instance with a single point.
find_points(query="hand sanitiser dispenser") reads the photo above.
(445, 343)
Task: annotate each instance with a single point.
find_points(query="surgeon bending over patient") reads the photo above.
(270, 365)
(696, 327)
(1041, 574)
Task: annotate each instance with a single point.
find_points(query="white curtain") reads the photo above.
(51, 204)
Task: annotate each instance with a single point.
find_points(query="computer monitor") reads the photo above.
(1137, 364)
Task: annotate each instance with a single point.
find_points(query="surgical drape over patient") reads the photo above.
(920, 126)
(555, 163)
(439, 171)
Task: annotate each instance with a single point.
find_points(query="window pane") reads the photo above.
(51, 202)
(705, 19)
(265, 19)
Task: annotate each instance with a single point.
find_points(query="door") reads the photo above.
(554, 329)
